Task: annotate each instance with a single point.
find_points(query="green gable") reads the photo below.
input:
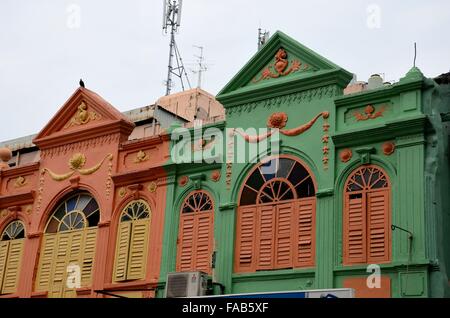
(268, 75)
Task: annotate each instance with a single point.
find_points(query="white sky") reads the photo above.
(120, 52)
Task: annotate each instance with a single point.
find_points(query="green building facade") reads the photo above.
(394, 139)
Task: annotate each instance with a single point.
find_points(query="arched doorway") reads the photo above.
(366, 219)
(11, 249)
(68, 247)
(276, 217)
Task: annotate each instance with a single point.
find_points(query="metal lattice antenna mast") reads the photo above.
(172, 19)
(201, 67)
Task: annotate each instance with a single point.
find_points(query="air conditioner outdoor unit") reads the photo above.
(186, 284)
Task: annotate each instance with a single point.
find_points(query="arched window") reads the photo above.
(196, 233)
(132, 242)
(68, 246)
(276, 217)
(367, 217)
(11, 248)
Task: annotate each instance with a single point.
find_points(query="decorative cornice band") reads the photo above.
(399, 128)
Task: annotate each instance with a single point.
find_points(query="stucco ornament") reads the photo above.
(388, 148)
(370, 113)
(20, 182)
(83, 116)
(5, 156)
(280, 67)
(346, 155)
(277, 120)
(141, 156)
(152, 187)
(77, 161)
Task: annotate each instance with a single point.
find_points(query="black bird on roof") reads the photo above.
(81, 83)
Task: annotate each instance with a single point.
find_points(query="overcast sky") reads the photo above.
(118, 48)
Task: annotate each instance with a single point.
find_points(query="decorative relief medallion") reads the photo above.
(183, 181)
(29, 209)
(83, 116)
(152, 187)
(280, 67)
(20, 182)
(370, 113)
(388, 148)
(76, 163)
(122, 192)
(141, 156)
(215, 176)
(346, 155)
(4, 213)
(277, 120)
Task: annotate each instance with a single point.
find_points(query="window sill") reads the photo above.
(42, 294)
(275, 274)
(391, 265)
(9, 296)
(123, 286)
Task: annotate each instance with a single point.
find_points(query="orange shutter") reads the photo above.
(265, 237)
(355, 229)
(283, 247)
(204, 229)
(186, 243)
(304, 233)
(245, 240)
(378, 226)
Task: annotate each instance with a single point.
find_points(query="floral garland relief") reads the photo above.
(76, 164)
(277, 121)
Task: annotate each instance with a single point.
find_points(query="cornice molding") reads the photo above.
(399, 128)
(17, 199)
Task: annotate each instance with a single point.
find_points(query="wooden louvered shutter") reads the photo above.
(60, 265)
(186, 242)
(378, 226)
(13, 265)
(265, 237)
(204, 229)
(245, 260)
(304, 233)
(122, 249)
(3, 259)
(46, 262)
(87, 263)
(283, 247)
(137, 259)
(355, 229)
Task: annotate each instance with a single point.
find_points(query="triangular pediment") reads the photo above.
(84, 110)
(281, 60)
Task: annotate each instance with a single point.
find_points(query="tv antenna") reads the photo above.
(171, 20)
(201, 66)
(263, 36)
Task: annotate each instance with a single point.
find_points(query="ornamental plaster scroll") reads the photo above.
(83, 116)
(278, 121)
(76, 164)
(280, 67)
(370, 113)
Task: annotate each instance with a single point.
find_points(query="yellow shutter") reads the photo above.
(87, 264)
(137, 259)
(46, 262)
(60, 265)
(3, 257)
(122, 247)
(13, 266)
